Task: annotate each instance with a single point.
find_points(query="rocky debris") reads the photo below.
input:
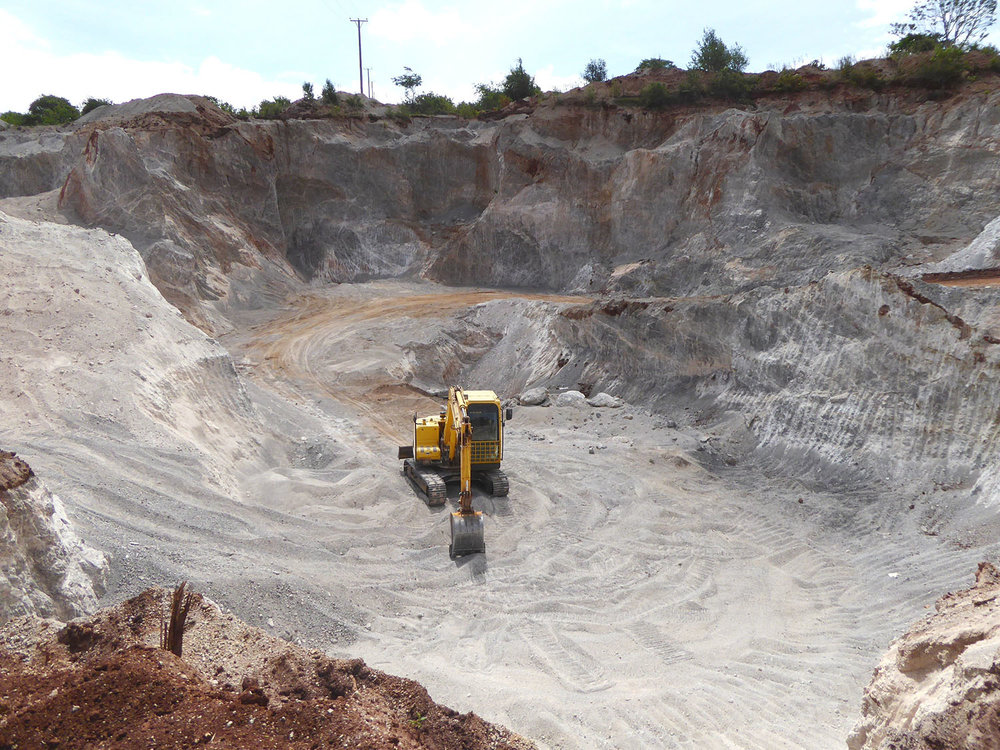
(606, 401)
(937, 686)
(45, 569)
(534, 397)
(103, 681)
(571, 398)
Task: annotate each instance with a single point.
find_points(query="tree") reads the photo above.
(961, 23)
(518, 84)
(654, 63)
(490, 97)
(596, 70)
(91, 104)
(713, 55)
(329, 94)
(409, 81)
(50, 110)
(307, 92)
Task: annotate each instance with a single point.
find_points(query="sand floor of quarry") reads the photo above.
(635, 593)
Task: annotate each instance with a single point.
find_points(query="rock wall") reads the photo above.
(45, 570)
(862, 379)
(710, 200)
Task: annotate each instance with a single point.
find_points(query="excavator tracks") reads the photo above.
(432, 486)
(495, 482)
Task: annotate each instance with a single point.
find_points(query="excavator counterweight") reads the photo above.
(464, 443)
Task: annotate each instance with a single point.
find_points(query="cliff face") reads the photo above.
(708, 201)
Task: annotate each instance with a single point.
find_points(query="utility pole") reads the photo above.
(369, 72)
(361, 74)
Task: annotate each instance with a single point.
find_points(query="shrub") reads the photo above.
(691, 89)
(432, 104)
(14, 118)
(789, 80)
(224, 106)
(518, 84)
(914, 43)
(595, 72)
(91, 104)
(329, 94)
(354, 101)
(408, 81)
(50, 110)
(271, 109)
(307, 92)
(863, 76)
(713, 55)
(654, 96)
(491, 97)
(943, 69)
(729, 84)
(654, 63)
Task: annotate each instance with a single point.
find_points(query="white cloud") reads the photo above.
(410, 20)
(883, 12)
(14, 34)
(113, 76)
(547, 80)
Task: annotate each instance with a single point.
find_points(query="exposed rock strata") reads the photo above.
(715, 200)
(937, 686)
(45, 569)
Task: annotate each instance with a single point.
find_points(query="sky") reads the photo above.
(243, 52)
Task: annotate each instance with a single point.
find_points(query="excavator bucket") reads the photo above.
(466, 534)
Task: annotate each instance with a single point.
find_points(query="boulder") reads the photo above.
(571, 398)
(534, 397)
(606, 400)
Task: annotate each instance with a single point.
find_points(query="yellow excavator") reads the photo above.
(463, 442)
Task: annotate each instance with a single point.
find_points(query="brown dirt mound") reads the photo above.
(102, 682)
(938, 687)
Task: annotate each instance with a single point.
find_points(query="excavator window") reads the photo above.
(485, 419)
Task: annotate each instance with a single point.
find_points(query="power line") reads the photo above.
(361, 72)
